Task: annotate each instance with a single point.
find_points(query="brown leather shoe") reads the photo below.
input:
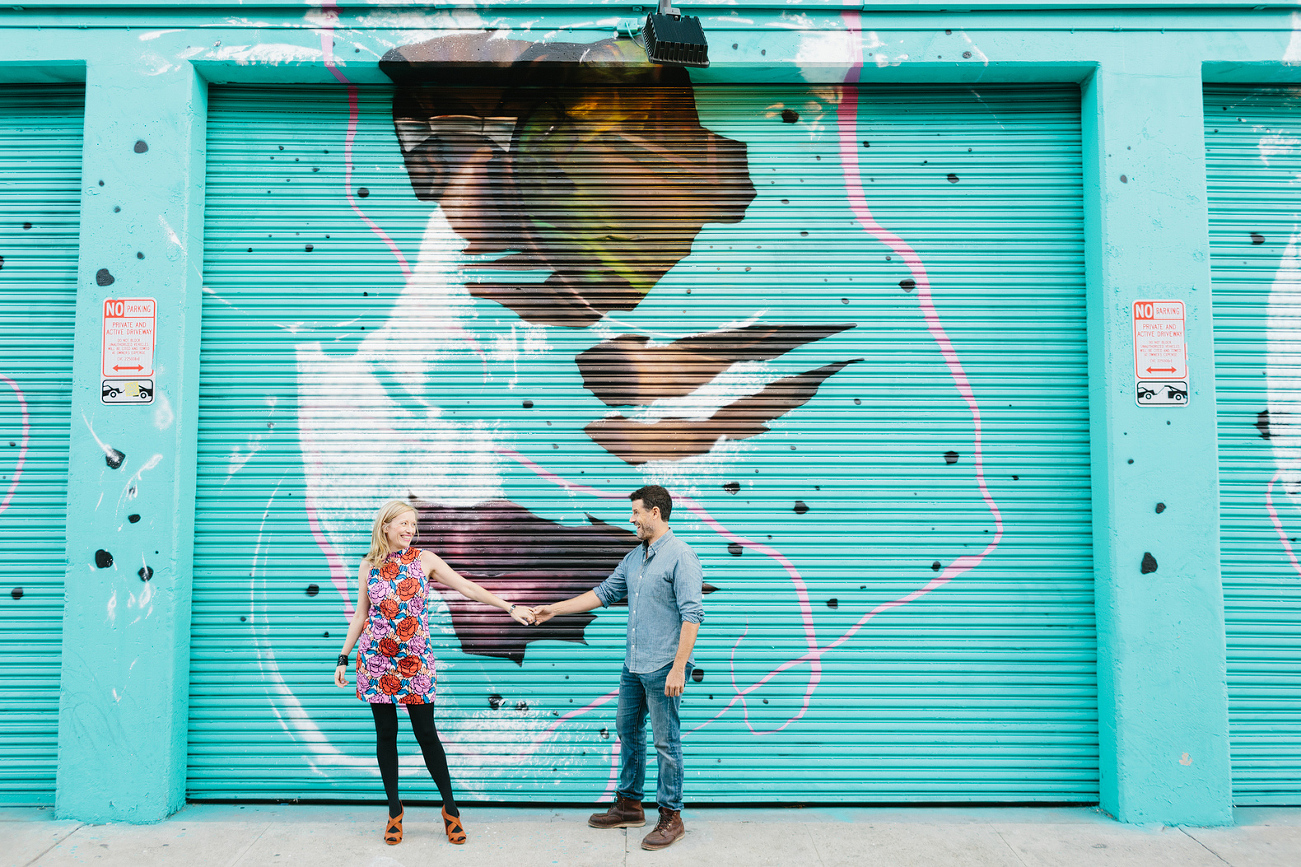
(668, 831)
(623, 813)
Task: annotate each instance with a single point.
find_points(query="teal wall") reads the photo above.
(1164, 739)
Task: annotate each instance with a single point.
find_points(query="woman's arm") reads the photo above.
(447, 576)
(358, 623)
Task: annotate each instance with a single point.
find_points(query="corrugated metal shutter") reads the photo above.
(40, 209)
(330, 382)
(1253, 141)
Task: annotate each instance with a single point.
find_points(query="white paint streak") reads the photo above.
(1282, 374)
(171, 236)
(816, 51)
(111, 611)
(738, 381)
(1292, 54)
(163, 415)
(266, 52)
(151, 35)
(1275, 146)
(975, 49)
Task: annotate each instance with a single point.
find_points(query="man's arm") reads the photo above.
(574, 605)
(677, 679)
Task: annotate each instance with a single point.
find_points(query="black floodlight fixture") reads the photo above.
(674, 39)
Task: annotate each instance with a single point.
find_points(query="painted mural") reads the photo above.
(534, 275)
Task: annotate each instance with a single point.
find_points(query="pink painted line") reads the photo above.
(1278, 523)
(331, 11)
(847, 118)
(26, 438)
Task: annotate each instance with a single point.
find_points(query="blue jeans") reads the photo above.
(640, 694)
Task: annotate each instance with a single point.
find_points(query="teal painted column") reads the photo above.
(126, 626)
(1162, 695)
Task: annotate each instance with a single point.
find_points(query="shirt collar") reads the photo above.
(655, 546)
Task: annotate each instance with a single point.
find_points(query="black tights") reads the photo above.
(386, 750)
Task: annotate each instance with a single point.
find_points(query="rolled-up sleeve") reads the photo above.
(614, 588)
(688, 581)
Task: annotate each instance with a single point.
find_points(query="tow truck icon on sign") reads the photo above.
(1162, 393)
(127, 391)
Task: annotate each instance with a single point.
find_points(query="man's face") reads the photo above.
(646, 522)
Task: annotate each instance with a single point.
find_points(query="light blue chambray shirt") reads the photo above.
(663, 586)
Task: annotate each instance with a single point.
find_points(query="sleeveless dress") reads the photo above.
(394, 665)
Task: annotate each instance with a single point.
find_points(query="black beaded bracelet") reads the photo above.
(343, 659)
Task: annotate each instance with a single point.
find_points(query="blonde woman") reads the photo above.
(394, 664)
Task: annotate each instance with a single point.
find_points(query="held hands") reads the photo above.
(524, 615)
(543, 613)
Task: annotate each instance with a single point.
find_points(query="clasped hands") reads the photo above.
(527, 616)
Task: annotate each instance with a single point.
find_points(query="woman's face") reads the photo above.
(400, 531)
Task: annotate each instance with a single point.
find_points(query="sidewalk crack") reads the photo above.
(50, 847)
(1203, 845)
(813, 840)
(242, 852)
(1015, 854)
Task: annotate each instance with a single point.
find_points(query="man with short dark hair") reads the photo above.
(662, 581)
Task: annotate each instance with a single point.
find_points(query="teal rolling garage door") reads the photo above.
(40, 209)
(1253, 142)
(794, 307)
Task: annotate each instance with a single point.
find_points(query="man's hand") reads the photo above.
(675, 682)
(543, 613)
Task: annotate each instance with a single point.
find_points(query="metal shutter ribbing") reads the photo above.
(981, 690)
(40, 204)
(1253, 141)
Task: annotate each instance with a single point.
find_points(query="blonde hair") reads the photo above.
(389, 512)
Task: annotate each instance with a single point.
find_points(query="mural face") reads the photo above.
(544, 275)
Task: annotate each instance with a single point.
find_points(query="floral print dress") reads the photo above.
(393, 665)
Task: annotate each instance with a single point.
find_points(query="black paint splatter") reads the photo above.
(103, 559)
(833, 602)
(908, 284)
(142, 255)
(363, 192)
(1124, 179)
(966, 55)
(113, 458)
(141, 147)
(734, 549)
(732, 487)
(17, 593)
(523, 705)
(1262, 424)
(117, 209)
(313, 589)
(605, 733)
(1149, 564)
(103, 278)
(528, 404)
(801, 507)
(26, 226)
(698, 675)
(950, 458)
(308, 248)
(790, 116)
(1160, 507)
(1257, 238)
(867, 144)
(935, 567)
(2, 263)
(494, 701)
(953, 179)
(134, 519)
(145, 573)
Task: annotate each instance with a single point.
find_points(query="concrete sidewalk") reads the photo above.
(321, 836)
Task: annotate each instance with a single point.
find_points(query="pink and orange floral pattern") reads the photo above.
(392, 662)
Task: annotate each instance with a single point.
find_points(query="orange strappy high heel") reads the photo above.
(452, 824)
(393, 834)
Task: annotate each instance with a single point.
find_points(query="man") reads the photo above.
(662, 581)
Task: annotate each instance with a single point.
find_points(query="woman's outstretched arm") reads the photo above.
(449, 577)
(358, 622)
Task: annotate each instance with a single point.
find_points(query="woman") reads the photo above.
(393, 662)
